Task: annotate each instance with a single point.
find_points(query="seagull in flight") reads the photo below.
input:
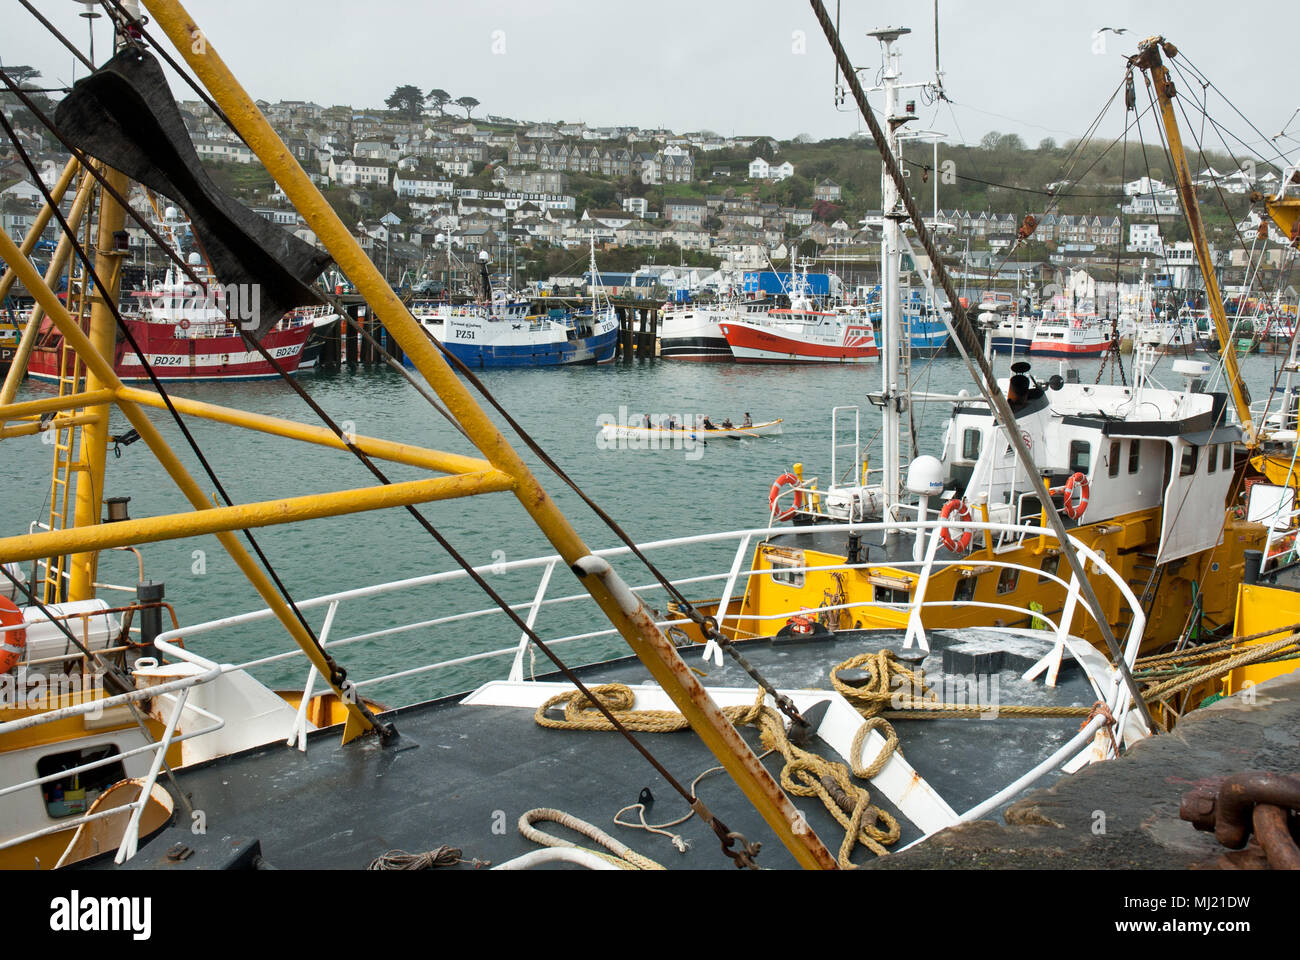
(1114, 30)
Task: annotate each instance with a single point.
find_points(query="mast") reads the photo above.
(1157, 77)
(111, 250)
(968, 345)
(893, 392)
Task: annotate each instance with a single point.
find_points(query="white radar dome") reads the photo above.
(925, 476)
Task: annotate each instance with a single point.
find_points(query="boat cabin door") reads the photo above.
(1199, 475)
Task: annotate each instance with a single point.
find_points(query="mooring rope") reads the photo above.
(803, 774)
(621, 855)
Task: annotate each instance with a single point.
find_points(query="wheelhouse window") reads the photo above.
(1227, 456)
(1049, 567)
(1188, 466)
(891, 595)
(787, 571)
(1112, 461)
(970, 444)
(1008, 579)
(1134, 454)
(1080, 456)
(965, 590)
(1211, 459)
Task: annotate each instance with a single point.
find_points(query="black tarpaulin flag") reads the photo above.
(124, 115)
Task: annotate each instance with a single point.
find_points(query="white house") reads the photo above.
(23, 190)
(760, 169)
(409, 186)
(1144, 238)
(350, 173)
(1144, 185)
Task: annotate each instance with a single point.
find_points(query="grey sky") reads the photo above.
(725, 65)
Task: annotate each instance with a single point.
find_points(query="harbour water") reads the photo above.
(654, 493)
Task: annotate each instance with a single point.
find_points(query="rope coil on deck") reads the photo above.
(889, 683)
(804, 774)
(622, 856)
(444, 856)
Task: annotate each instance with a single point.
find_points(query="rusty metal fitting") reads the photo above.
(1255, 802)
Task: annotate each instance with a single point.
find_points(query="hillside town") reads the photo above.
(428, 191)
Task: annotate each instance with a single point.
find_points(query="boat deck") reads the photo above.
(462, 774)
(1138, 794)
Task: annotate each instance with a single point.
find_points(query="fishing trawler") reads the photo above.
(1007, 329)
(532, 748)
(498, 331)
(1156, 451)
(1067, 333)
(693, 331)
(802, 332)
(174, 683)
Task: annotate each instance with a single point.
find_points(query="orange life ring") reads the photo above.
(13, 643)
(785, 480)
(1071, 511)
(963, 516)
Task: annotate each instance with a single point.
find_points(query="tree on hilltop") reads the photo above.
(467, 104)
(406, 100)
(439, 98)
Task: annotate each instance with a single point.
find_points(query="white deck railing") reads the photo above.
(1116, 697)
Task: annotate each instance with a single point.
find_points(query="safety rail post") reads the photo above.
(711, 649)
(1051, 661)
(131, 836)
(517, 667)
(298, 734)
(915, 628)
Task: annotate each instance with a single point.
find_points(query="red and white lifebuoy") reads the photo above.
(779, 484)
(13, 643)
(185, 323)
(962, 516)
(1081, 482)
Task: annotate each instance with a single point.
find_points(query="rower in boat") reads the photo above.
(706, 423)
(749, 421)
(727, 424)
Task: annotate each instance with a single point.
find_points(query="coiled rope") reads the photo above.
(803, 774)
(622, 856)
(444, 856)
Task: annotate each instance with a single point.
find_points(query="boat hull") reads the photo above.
(1017, 345)
(177, 358)
(752, 344)
(696, 349)
(595, 349)
(489, 342)
(694, 336)
(1042, 349)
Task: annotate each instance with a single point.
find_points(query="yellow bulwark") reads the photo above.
(500, 468)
